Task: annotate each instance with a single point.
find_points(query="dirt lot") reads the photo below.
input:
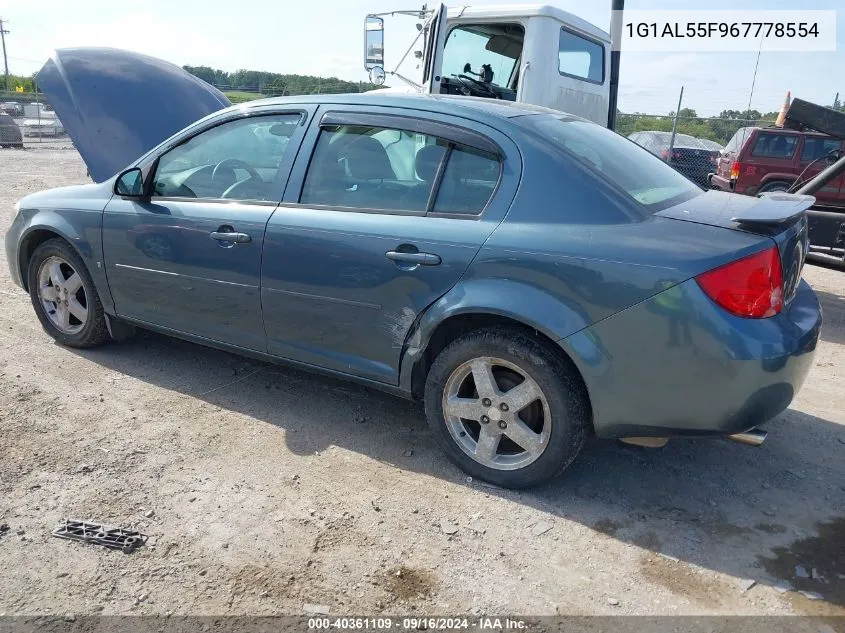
(264, 489)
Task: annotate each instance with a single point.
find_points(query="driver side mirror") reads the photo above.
(833, 156)
(467, 68)
(130, 184)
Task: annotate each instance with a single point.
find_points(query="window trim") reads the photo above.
(405, 123)
(599, 43)
(791, 156)
(289, 156)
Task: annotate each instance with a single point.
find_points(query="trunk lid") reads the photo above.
(116, 105)
(780, 216)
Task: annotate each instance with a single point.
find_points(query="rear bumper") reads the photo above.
(690, 368)
(720, 182)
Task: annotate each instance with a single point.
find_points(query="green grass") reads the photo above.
(237, 96)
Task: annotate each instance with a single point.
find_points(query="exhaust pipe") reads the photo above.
(753, 437)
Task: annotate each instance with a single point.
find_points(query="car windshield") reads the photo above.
(637, 172)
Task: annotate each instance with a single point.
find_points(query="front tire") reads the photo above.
(64, 296)
(506, 408)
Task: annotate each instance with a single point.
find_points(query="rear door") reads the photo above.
(818, 149)
(189, 258)
(382, 216)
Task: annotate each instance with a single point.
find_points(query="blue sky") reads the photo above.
(325, 37)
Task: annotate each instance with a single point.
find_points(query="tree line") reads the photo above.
(275, 84)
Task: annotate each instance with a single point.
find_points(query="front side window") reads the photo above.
(638, 173)
(775, 145)
(237, 160)
(580, 58)
(393, 170)
(816, 147)
(493, 48)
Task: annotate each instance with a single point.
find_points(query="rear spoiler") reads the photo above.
(774, 209)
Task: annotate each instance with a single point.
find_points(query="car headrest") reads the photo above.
(367, 159)
(427, 160)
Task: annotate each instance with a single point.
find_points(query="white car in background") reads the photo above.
(42, 126)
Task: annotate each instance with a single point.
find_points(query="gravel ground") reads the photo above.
(264, 489)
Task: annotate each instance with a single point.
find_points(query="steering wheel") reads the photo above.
(470, 83)
(231, 164)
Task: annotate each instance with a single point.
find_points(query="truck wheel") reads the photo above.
(64, 296)
(506, 408)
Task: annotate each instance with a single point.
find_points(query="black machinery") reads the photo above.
(826, 224)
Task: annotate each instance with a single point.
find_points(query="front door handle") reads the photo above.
(230, 236)
(420, 259)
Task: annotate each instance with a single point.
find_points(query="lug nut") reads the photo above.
(484, 419)
(486, 402)
(503, 424)
(503, 406)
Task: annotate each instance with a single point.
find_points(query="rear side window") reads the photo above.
(468, 182)
(775, 145)
(816, 147)
(394, 170)
(580, 58)
(738, 140)
(637, 173)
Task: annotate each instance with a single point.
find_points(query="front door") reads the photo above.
(391, 213)
(189, 258)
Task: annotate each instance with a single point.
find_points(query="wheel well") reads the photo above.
(32, 241)
(775, 181)
(456, 326)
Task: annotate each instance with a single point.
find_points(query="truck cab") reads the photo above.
(534, 54)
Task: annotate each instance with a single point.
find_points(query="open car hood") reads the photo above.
(117, 105)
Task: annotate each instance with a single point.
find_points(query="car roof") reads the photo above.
(442, 104)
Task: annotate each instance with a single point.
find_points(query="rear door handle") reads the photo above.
(421, 259)
(230, 236)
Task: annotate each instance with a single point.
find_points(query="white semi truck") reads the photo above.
(534, 54)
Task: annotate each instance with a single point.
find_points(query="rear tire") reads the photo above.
(64, 296)
(777, 185)
(506, 408)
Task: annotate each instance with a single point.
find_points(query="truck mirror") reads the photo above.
(377, 75)
(374, 43)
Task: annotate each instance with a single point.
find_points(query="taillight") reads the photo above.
(751, 287)
(665, 155)
(735, 166)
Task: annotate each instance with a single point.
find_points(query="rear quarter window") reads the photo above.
(770, 145)
(738, 140)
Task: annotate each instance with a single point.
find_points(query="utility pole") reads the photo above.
(674, 128)
(3, 32)
(616, 9)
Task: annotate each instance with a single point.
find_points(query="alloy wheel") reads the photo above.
(497, 413)
(62, 295)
